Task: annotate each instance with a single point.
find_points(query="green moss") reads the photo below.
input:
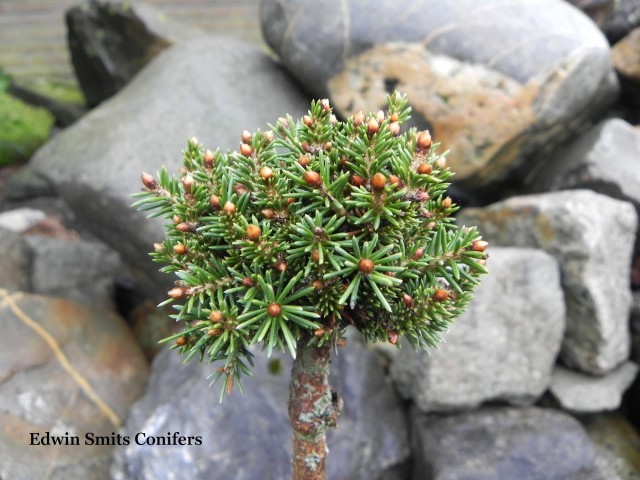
(56, 89)
(23, 128)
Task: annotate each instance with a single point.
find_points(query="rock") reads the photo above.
(580, 393)
(14, 261)
(64, 368)
(25, 183)
(617, 445)
(502, 443)
(591, 236)
(211, 88)
(605, 159)
(503, 348)
(249, 437)
(79, 270)
(492, 89)
(20, 220)
(23, 129)
(626, 60)
(110, 42)
(598, 10)
(65, 113)
(624, 18)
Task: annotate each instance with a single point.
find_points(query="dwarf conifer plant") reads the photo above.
(308, 228)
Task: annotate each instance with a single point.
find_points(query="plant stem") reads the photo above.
(313, 407)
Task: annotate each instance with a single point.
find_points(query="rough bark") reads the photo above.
(313, 407)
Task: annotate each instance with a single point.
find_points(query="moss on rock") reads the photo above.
(23, 129)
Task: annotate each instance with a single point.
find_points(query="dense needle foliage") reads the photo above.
(308, 228)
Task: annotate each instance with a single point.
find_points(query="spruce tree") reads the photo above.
(308, 228)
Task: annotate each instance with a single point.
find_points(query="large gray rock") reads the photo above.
(211, 88)
(494, 82)
(591, 236)
(605, 159)
(65, 370)
(503, 443)
(14, 261)
(582, 393)
(248, 437)
(503, 348)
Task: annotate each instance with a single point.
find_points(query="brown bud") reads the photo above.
(324, 104)
(440, 295)
(149, 181)
(268, 137)
(379, 181)
(312, 178)
(177, 292)
(327, 146)
(289, 201)
(372, 126)
(246, 136)
(185, 227)
(281, 266)
(408, 301)
(229, 208)
(422, 196)
(306, 147)
(307, 120)
(341, 342)
(214, 332)
(394, 179)
(182, 341)
(274, 309)
(214, 201)
(266, 172)
(246, 149)
(394, 128)
(319, 332)
(393, 337)
(240, 189)
(394, 117)
(446, 203)
(176, 219)
(179, 249)
(425, 169)
(358, 119)
(284, 122)
(479, 246)
(158, 247)
(253, 232)
(315, 256)
(365, 265)
(304, 160)
(380, 116)
(431, 225)
(209, 158)
(423, 140)
(419, 253)
(247, 282)
(188, 182)
(216, 316)
(268, 213)
(358, 181)
(318, 284)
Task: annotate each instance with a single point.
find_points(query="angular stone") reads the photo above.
(591, 236)
(79, 270)
(110, 42)
(605, 159)
(493, 90)
(14, 261)
(249, 437)
(598, 10)
(502, 443)
(64, 368)
(623, 19)
(211, 88)
(582, 393)
(503, 348)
